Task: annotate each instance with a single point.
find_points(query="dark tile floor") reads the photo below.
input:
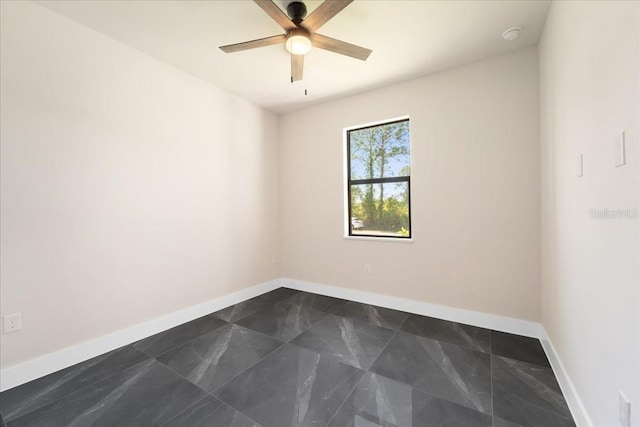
(290, 358)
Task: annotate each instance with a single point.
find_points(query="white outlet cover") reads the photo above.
(619, 150)
(11, 323)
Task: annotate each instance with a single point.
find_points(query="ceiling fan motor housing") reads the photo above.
(297, 11)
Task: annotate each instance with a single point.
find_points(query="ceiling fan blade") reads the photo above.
(297, 65)
(338, 46)
(267, 41)
(276, 14)
(323, 13)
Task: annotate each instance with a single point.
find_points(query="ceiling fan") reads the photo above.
(300, 33)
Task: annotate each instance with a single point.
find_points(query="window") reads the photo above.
(378, 180)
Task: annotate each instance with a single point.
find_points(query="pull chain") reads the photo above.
(305, 79)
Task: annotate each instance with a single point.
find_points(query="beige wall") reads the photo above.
(590, 90)
(475, 191)
(129, 189)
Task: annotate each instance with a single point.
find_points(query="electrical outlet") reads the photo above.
(367, 268)
(11, 323)
(624, 410)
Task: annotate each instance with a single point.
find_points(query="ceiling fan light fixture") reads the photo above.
(298, 42)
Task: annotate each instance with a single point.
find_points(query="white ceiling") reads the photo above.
(408, 38)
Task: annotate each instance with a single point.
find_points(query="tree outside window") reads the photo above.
(379, 180)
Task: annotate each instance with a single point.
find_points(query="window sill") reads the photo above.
(378, 239)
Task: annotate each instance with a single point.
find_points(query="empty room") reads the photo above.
(342, 213)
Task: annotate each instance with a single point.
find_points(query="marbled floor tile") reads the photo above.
(282, 321)
(518, 347)
(521, 388)
(174, 337)
(41, 392)
(243, 309)
(499, 422)
(316, 302)
(378, 316)
(433, 411)
(444, 370)
(145, 395)
(211, 412)
(213, 359)
(531, 416)
(467, 336)
(380, 401)
(279, 294)
(291, 387)
(345, 340)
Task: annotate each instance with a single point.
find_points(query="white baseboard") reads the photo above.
(44, 365)
(483, 320)
(578, 410)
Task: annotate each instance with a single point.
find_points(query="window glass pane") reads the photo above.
(380, 209)
(380, 151)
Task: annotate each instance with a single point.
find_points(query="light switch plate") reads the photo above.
(579, 165)
(624, 410)
(619, 149)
